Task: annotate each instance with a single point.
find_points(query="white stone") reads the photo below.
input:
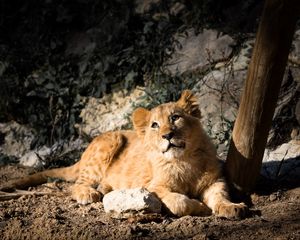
(283, 162)
(35, 158)
(125, 202)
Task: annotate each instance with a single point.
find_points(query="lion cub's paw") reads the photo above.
(85, 195)
(232, 210)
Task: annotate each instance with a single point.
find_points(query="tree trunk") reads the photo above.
(258, 102)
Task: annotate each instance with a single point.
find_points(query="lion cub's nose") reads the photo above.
(168, 136)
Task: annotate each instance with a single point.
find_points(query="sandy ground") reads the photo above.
(275, 214)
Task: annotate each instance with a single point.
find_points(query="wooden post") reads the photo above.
(258, 102)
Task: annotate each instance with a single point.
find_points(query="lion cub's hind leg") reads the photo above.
(94, 162)
(84, 192)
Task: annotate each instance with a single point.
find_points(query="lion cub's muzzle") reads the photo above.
(172, 142)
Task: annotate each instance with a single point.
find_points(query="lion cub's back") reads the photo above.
(130, 167)
(118, 159)
(104, 148)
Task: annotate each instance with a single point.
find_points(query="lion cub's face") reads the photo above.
(168, 128)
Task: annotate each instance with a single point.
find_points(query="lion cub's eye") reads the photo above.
(154, 125)
(175, 117)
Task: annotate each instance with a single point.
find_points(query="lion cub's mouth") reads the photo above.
(174, 146)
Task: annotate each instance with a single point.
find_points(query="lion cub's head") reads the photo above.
(171, 128)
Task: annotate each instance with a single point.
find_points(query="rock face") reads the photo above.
(37, 158)
(17, 138)
(197, 51)
(123, 203)
(219, 94)
(98, 116)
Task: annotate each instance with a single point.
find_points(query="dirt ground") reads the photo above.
(275, 214)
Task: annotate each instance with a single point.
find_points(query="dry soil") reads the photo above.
(275, 214)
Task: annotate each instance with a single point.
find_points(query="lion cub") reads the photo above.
(168, 153)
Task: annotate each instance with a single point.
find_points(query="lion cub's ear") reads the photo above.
(140, 119)
(189, 103)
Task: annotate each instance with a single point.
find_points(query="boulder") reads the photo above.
(126, 202)
(196, 51)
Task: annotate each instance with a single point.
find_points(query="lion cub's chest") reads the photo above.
(178, 176)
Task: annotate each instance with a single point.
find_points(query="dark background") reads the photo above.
(52, 52)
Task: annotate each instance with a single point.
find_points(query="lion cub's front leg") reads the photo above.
(181, 205)
(216, 197)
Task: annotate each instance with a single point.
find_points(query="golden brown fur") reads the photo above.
(167, 152)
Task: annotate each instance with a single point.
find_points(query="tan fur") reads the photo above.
(167, 152)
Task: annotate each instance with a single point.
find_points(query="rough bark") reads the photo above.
(258, 102)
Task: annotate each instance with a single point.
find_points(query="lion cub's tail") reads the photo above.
(67, 173)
